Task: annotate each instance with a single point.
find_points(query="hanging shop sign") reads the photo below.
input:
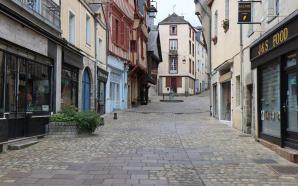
(102, 75)
(244, 12)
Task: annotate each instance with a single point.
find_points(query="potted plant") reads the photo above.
(225, 25)
(214, 39)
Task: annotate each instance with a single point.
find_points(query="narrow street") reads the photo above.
(157, 144)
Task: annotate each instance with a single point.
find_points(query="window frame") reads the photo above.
(176, 44)
(133, 45)
(71, 38)
(173, 71)
(174, 34)
(88, 29)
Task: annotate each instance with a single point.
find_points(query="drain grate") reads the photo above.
(243, 136)
(262, 161)
(285, 169)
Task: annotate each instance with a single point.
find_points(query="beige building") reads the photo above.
(200, 63)
(254, 68)
(83, 27)
(177, 72)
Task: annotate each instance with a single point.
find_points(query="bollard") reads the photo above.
(115, 115)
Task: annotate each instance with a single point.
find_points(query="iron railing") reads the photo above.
(46, 8)
(173, 52)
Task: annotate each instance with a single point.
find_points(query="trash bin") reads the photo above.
(171, 95)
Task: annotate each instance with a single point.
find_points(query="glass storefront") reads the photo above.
(270, 99)
(69, 87)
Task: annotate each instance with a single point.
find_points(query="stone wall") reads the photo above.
(66, 130)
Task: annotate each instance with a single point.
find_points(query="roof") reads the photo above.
(141, 6)
(152, 36)
(174, 18)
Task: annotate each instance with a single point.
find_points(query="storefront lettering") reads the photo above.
(280, 37)
(276, 39)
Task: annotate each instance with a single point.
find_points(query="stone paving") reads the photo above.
(157, 144)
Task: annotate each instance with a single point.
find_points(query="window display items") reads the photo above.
(278, 115)
(262, 114)
(272, 116)
(267, 115)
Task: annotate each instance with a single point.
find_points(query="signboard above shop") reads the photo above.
(244, 12)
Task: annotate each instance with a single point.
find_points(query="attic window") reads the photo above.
(173, 30)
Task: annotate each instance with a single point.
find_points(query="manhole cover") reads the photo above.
(285, 169)
(261, 161)
(243, 136)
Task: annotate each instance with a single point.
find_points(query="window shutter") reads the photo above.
(122, 35)
(114, 30)
(168, 81)
(179, 82)
(127, 38)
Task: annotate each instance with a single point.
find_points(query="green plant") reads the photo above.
(225, 23)
(61, 118)
(88, 120)
(69, 110)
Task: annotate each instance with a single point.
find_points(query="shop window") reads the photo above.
(69, 87)
(270, 99)
(291, 60)
(88, 29)
(237, 91)
(72, 28)
(173, 66)
(2, 59)
(173, 29)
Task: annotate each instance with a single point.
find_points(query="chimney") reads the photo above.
(151, 21)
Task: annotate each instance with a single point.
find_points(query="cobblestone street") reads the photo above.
(157, 144)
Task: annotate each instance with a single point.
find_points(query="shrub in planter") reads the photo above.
(88, 120)
(225, 24)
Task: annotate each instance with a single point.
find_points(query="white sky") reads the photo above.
(184, 7)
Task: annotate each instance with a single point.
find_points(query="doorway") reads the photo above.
(174, 84)
(86, 91)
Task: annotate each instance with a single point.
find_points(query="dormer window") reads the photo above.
(173, 30)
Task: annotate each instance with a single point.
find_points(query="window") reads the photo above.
(190, 66)
(215, 23)
(100, 49)
(193, 36)
(133, 46)
(173, 29)
(189, 32)
(206, 62)
(237, 91)
(227, 9)
(203, 70)
(142, 48)
(251, 26)
(114, 86)
(117, 32)
(203, 51)
(173, 65)
(198, 48)
(193, 68)
(69, 87)
(189, 47)
(199, 65)
(88, 30)
(173, 44)
(193, 50)
(276, 11)
(72, 29)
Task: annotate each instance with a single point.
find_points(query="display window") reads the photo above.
(69, 87)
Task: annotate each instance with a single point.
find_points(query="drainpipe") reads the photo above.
(210, 67)
(108, 33)
(95, 23)
(241, 88)
(195, 66)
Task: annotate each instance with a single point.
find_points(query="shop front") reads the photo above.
(25, 91)
(102, 78)
(274, 55)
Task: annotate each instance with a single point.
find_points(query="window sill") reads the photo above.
(271, 18)
(250, 33)
(87, 45)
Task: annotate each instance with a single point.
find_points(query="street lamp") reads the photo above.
(152, 10)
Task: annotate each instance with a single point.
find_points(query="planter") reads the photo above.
(214, 41)
(226, 28)
(66, 130)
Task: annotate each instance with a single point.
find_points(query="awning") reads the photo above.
(72, 58)
(225, 65)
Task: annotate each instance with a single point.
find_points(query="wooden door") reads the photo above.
(174, 84)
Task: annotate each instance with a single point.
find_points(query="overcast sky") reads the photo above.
(183, 7)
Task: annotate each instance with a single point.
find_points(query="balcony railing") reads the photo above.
(173, 52)
(46, 8)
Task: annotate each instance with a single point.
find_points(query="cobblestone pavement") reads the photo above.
(157, 144)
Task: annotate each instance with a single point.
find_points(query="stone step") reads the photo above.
(21, 145)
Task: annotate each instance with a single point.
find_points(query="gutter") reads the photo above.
(241, 88)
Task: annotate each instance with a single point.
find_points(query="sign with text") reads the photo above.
(244, 12)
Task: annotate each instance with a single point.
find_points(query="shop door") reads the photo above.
(174, 85)
(15, 97)
(291, 109)
(86, 91)
(101, 98)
